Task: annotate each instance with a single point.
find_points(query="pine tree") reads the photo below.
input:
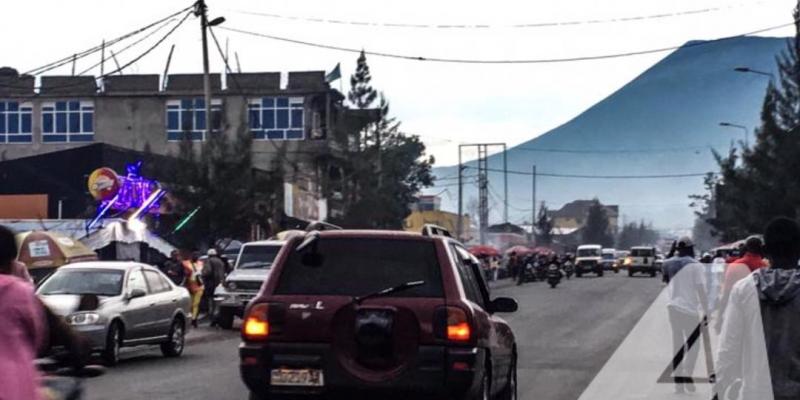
(596, 230)
(762, 182)
(544, 226)
(361, 95)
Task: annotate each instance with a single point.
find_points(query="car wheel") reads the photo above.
(110, 354)
(176, 341)
(225, 319)
(510, 391)
(653, 274)
(630, 272)
(254, 396)
(599, 273)
(578, 274)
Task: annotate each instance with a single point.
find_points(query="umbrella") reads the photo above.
(484, 251)
(43, 251)
(542, 250)
(519, 250)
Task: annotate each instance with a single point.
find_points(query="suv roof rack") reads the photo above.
(435, 230)
(322, 226)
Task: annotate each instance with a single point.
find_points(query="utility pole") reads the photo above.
(483, 187)
(201, 10)
(533, 197)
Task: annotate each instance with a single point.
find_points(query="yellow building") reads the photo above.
(447, 220)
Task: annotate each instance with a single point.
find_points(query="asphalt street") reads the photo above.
(565, 336)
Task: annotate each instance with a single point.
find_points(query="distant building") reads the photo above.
(293, 120)
(572, 217)
(426, 210)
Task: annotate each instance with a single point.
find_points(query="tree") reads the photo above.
(544, 226)
(596, 230)
(760, 183)
(633, 234)
(218, 176)
(384, 167)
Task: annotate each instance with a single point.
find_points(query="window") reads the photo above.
(256, 256)
(470, 282)
(360, 266)
(186, 118)
(15, 122)
(67, 121)
(155, 282)
(136, 281)
(277, 118)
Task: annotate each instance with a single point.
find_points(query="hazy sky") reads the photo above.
(444, 103)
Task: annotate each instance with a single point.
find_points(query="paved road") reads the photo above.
(565, 336)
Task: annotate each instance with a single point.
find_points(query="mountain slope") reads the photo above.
(665, 121)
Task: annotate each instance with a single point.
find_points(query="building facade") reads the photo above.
(293, 119)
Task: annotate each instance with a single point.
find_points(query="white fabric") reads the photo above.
(686, 289)
(118, 231)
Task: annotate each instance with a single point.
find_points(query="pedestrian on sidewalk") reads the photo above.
(752, 260)
(194, 284)
(213, 275)
(760, 339)
(685, 307)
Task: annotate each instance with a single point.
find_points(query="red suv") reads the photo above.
(353, 314)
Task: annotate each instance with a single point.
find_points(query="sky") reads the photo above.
(445, 103)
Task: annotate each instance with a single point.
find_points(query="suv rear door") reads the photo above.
(314, 298)
(643, 257)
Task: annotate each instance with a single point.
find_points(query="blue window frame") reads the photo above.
(277, 118)
(67, 121)
(15, 122)
(186, 118)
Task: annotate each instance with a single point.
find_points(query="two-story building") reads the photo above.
(293, 119)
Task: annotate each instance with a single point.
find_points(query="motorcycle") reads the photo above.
(553, 275)
(526, 274)
(540, 268)
(569, 269)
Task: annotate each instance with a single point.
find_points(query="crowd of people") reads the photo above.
(199, 277)
(753, 300)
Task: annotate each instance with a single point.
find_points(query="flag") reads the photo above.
(334, 75)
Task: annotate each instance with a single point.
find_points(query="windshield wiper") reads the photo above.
(385, 292)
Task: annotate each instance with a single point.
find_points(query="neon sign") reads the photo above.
(129, 192)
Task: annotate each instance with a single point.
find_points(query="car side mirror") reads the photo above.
(503, 305)
(136, 293)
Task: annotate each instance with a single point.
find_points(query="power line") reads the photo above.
(75, 56)
(507, 61)
(332, 21)
(553, 175)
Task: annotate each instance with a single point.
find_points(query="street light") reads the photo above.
(216, 21)
(755, 71)
(737, 126)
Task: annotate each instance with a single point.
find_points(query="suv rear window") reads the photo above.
(356, 267)
(642, 253)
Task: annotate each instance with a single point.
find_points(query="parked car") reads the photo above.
(137, 305)
(589, 259)
(368, 313)
(240, 286)
(642, 259)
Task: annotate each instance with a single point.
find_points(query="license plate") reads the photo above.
(297, 377)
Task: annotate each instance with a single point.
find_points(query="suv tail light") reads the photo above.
(452, 324)
(256, 323)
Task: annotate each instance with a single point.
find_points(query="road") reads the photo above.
(565, 336)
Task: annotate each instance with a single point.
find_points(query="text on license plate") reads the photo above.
(297, 377)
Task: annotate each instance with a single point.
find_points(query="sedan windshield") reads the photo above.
(98, 282)
(588, 252)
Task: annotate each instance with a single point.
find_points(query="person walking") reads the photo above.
(740, 268)
(685, 307)
(760, 339)
(213, 274)
(194, 284)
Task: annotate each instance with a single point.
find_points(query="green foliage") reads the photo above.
(221, 179)
(761, 182)
(597, 230)
(544, 226)
(634, 234)
(384, 167)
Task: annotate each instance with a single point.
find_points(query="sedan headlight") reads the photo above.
(83, 318)
(230, 285)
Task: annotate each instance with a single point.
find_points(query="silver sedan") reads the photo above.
(135, 305)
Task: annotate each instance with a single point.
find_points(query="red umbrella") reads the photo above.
(484, 251)
(519, 250)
